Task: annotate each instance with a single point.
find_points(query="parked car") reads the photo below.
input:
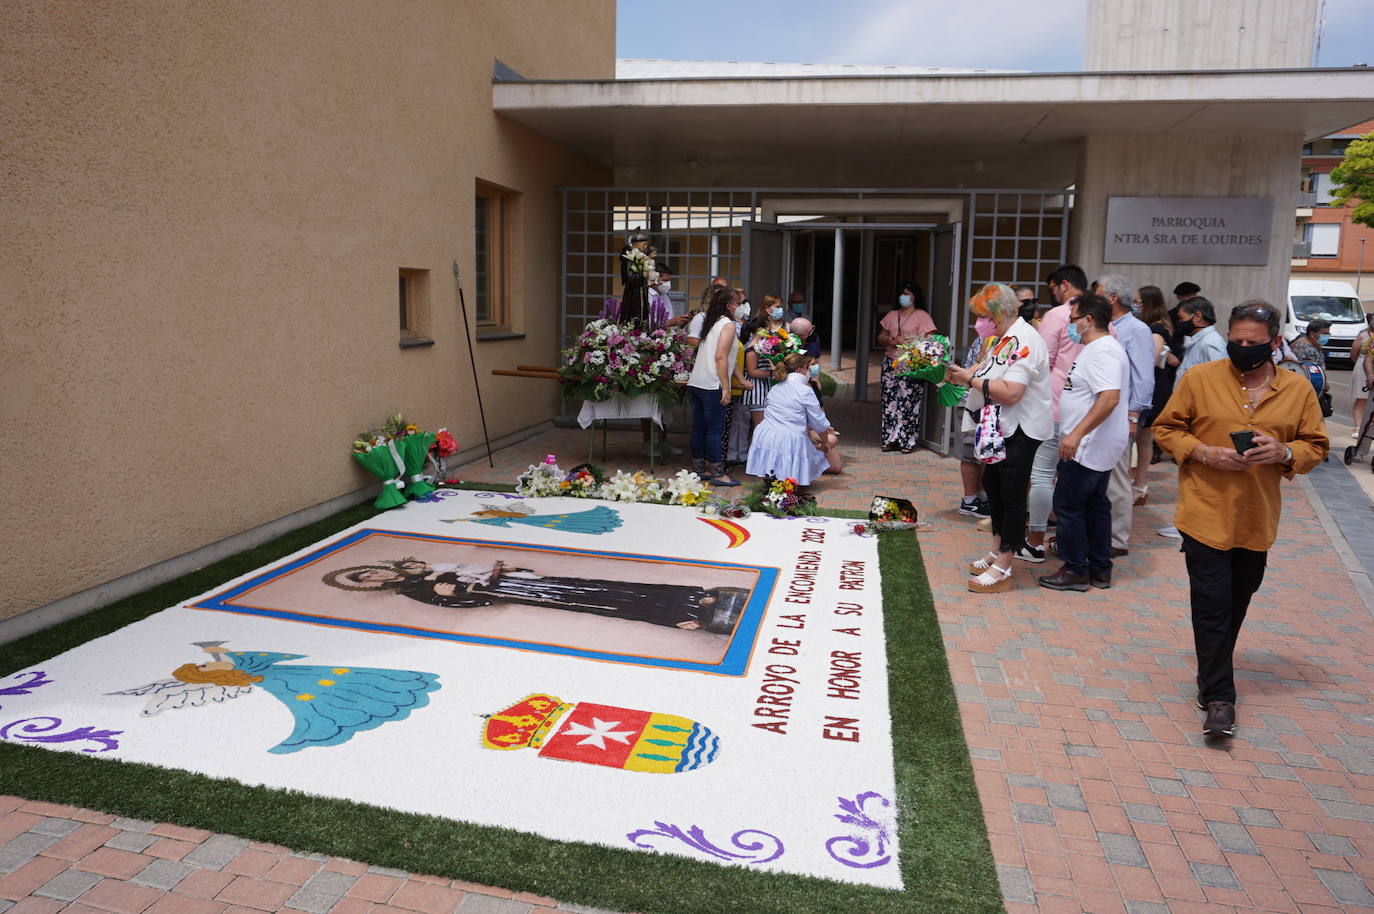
(1337, 302)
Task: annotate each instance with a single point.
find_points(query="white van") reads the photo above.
(1337, 302)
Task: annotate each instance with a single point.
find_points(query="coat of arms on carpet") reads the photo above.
(602, 735)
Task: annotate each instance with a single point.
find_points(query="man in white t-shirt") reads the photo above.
(1094, 435)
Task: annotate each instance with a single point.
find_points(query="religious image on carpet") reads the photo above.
(632, 675)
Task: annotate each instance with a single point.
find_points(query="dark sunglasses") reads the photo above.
(1258, 311)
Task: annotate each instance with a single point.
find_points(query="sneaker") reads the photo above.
(1171, 532)
(1221, 719)
(974, 508)
(1029, 553)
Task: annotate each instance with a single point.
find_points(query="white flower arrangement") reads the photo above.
(686, 488)
(540, 480)
(544, 480)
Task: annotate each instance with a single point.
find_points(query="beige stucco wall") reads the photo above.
(1203, 166)
(1199, 34)
(204, 210)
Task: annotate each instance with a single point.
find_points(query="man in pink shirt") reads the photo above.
(1066, 284)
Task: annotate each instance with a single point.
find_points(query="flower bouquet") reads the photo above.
(926, 358)
(610, 359)
(396, 454)
(780, 498)
(588, 481)
(444, 447)
(641, 264)
(886, 514)
(777, 345)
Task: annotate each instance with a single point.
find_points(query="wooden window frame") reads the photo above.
(500, 216)
(413, 300)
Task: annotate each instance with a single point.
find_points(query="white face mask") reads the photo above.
(742, 313)
(666, 286)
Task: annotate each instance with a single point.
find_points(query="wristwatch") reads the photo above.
(1287, 455)
(1134, 420)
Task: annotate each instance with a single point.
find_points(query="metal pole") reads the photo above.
(837, 303)
(1359, 273)
(472, 357)
(865, 309)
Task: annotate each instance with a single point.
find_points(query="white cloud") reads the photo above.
(996, 34)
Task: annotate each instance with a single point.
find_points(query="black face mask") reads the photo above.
(1248, 357)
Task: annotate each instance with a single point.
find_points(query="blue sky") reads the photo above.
(1039, 35)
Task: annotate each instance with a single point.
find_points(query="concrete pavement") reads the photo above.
(1099, 792)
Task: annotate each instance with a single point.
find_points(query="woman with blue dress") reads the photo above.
(795, 439)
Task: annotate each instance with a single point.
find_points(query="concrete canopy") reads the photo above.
(975, 130)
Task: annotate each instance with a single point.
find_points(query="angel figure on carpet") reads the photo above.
(714, 609)
(329, 703)
(598, 520)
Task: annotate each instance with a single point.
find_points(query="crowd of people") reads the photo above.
(751, 407)
(1055, 413)
(1066, 413)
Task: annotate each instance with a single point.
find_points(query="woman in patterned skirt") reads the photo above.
(901, 423)
(757, 368)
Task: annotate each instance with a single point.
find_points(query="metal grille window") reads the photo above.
(696, 231)
(1017, 238)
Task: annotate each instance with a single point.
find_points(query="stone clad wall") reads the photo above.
(206, 208)
(1200, 166)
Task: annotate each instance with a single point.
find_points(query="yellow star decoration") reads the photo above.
(341, 670)
(304, 696)
(326, 682)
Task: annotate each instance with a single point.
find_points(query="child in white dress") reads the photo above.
(795, 439)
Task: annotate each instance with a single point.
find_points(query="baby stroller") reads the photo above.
(1360, 449)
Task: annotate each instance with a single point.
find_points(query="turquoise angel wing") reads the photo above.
(330, 704)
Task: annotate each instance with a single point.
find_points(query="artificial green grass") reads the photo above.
(945, 859)
(827, 384)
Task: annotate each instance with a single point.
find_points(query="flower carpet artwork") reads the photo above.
(611, 673)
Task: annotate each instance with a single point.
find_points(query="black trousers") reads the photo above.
(1006, 484)
(1085, 519)
(1220, 583)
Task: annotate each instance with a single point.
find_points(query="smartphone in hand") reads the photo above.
(1243, 440)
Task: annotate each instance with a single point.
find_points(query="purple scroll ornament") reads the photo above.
(37, 678)
(39, 730)
(441, 494)
(757, 851)
(858, 850)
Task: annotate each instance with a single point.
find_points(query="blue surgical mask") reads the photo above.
(1135, 308)
(1323, 339)
(799, 308)
(775, 313)
(906, 301)
(815, 370)
(1074, 334)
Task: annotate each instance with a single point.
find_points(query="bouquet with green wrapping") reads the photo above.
(396, 454)
(926, 358)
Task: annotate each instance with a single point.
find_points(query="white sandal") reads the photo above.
(995, 580)
(983, 564)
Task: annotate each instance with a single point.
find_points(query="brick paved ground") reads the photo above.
(1099, 792)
